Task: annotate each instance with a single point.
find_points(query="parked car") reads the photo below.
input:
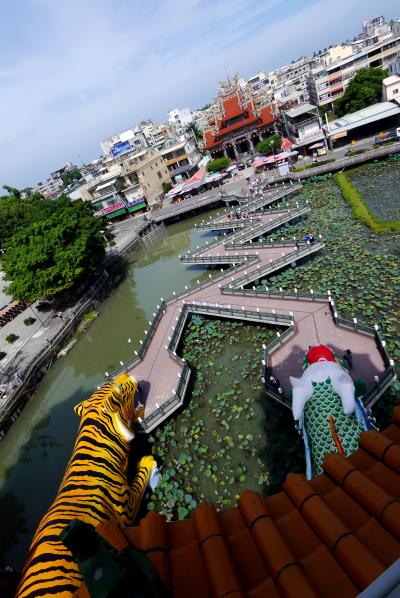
(249, 162)
(241, 166)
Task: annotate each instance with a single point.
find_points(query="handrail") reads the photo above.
(268, 226)
(277, 264)
(216, 259)
(383, 383)
(299, 295)
(20, 380)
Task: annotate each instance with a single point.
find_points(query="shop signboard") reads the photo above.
(120, 148)
(115, 206)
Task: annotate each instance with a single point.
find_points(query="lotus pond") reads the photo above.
(218, 444)
(359, 267)
(379, 186)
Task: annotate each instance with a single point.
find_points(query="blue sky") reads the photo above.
(75, 71)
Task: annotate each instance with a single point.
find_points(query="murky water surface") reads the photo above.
(34, 453)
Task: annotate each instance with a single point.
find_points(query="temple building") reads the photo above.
(237, 120)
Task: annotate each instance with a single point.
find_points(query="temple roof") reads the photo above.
(331, 536)
(264, 119)
(231, 107)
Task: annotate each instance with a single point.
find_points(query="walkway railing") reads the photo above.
(153, 233)
(20, 382)
(342, 163)
(217, 259)
(163, 411)
(222, 225)
(268, 269)
(296, 295)
(269, 226)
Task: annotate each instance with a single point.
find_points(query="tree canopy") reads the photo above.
(70, 176)
(166, 186)
(51, 246)
(218, 164)
(362, 91)
(193, 126)
(16, 213)
(269, 144)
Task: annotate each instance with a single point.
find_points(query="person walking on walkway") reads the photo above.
(348, 358)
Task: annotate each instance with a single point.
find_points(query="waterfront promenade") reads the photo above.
(304, 318)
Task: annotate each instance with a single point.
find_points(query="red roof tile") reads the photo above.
(330, 536)
(231, 107)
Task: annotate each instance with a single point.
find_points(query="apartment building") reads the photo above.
(391, 89)
(179, 119)
(180, 154)
(127, 185)
(395, 28)
(156, 135)
(51, 188)
(328, 82)
(132, 139)
(150, 170)
(292, 77)
(303, 125)
(258, 81)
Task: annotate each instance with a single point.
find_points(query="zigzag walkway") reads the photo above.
(306, 319)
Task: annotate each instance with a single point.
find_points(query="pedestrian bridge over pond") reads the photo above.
(305, 318)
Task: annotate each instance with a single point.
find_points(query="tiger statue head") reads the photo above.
(116, 400)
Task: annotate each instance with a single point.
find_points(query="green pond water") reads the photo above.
(379, 186)
(36, 450)
(216, 446)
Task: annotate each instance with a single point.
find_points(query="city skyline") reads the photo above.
(78, 73)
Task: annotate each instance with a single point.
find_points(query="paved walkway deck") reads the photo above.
(311, 317)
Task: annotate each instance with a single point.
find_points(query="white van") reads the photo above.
(398, 132)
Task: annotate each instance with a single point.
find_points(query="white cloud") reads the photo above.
(95, 67)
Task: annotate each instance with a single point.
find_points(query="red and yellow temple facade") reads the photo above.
(237, 122)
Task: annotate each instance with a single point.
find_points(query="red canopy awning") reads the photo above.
(286, 144)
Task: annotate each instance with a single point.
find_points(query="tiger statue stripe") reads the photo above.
(94, 487)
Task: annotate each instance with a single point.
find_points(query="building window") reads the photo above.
(159, 175)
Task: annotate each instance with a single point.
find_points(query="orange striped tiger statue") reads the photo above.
(94, 488)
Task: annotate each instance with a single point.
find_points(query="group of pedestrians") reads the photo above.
(238, 215)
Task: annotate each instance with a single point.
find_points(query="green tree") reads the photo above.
(120, 184)
(193, 126)
(15, 213)
(55, 252)
(365, 89)
(70, 176)
(12, 191)
(166, 186)
(269, 144)
(218, 164)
